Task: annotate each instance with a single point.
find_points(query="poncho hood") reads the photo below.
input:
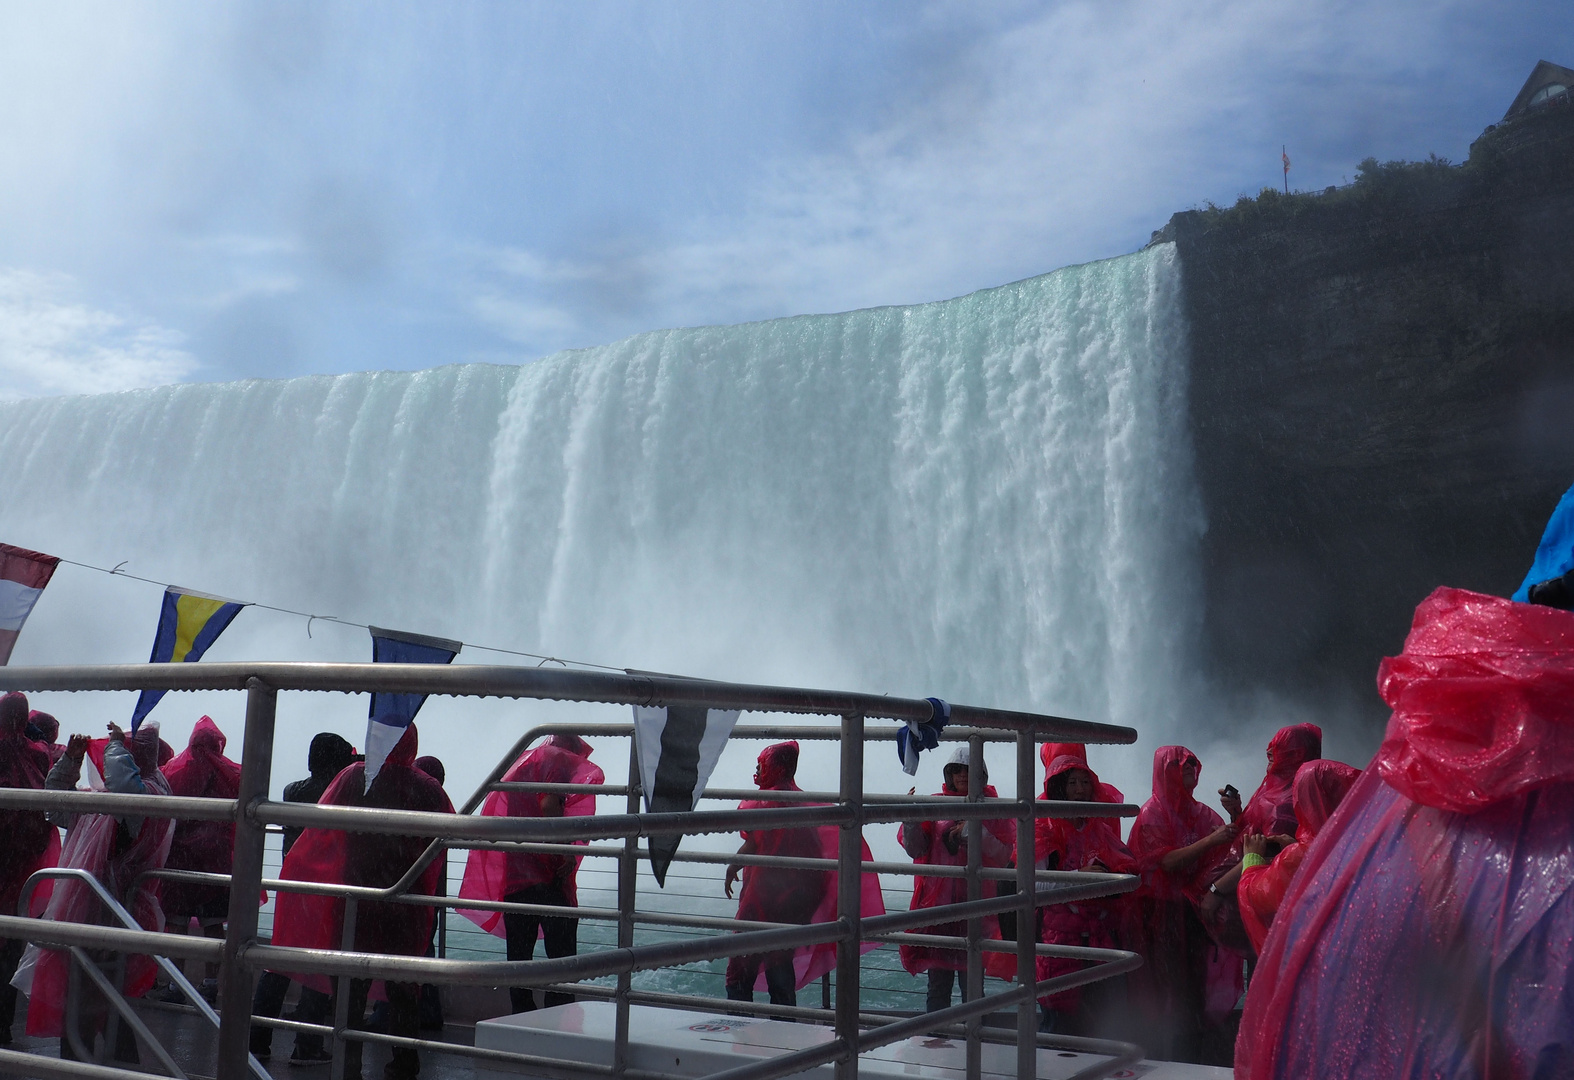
(1483, 700)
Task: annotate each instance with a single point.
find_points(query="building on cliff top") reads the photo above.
(1548, 84)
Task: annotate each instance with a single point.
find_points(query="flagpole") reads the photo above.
(1284, 153)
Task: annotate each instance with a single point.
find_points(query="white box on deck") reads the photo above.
(697, 1044)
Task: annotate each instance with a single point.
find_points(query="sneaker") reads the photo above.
(310, 1057)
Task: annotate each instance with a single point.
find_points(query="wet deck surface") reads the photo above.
(190, 1041)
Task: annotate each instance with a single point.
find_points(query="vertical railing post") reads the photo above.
(235, 980)
(1027, 910)
(628, 878)
(974, 975)
(341, 996)
(849, 893)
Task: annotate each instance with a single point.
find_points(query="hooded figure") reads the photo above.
(1091, 843)
(327, 756)
(1428, 931)
(944, 843)
(1107, 793)
(524, 878)
(1319, 788)
(27, 841)
(375, 861)
(116, 850)
(1187, 984)
(49, 728)
(773, 894)
(208, 847)
(1271, 810)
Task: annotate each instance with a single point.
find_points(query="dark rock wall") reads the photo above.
(1382, 401)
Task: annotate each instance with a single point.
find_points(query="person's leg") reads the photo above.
(562, 939)
(940, 983)
(10, 956)
(359, 988)
(404, 1018)
(520, 930)
(741, 973)
(268, 1001)
(314, 1007)
(781, 979)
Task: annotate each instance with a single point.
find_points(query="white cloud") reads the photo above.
(52, 345)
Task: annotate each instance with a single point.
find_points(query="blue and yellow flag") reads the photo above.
(187, 625)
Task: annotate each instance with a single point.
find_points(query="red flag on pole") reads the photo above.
(23, 575)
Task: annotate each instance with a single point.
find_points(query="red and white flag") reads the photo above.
(23, 575)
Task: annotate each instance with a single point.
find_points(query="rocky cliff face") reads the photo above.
(1382, 401)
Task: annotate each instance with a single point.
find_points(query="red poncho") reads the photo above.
(1430, 932)
(1173, 818)
(1171, 980)
(1102, 792)
(366, 859)
(769, 894)
(200, 771)
(928, 892)
(493, 875)
(1270, 810)
(1319, 788)
(27, 841)
(1073, 844)
(105, 847)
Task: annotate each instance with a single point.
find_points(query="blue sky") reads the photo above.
(210, 192)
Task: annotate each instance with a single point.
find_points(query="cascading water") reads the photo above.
(988, 499)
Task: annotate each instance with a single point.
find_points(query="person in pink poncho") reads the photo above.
(375, 861)
(522, 878)
(27, 841)
(1270, 812)
(779, 894)
(116, 851)
(944, 843)
(1430, 929)
(1319, 788)
(1085, 844)
(1178, 843)
(207, 847)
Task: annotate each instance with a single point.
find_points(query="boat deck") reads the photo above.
(687, 1043)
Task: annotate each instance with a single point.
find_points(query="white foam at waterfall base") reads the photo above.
(988, 499)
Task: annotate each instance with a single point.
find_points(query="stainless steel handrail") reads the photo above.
(847, 810)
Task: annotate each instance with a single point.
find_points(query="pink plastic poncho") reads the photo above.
(1319, 788)
(27, 841)
(1102, 792)
(769, 894)
(1074, 844)
(1173, 818)
(494, 875)
(1271, 810)
(51, 729)
(1430, 932)
(928, 892)
(105, 847)
(374, 860)
(1182, 981)
(200, 771)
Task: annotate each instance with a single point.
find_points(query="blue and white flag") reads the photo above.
(390, 714)
(678, 747)
(921, 735)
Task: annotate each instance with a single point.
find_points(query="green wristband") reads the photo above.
(1252, 861)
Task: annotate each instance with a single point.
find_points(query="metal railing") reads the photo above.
(848, 809)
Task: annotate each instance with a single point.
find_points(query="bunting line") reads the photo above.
(310, 618)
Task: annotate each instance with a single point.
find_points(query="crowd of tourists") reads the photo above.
(1414, 918)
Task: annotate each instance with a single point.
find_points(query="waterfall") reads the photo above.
(989, 499)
